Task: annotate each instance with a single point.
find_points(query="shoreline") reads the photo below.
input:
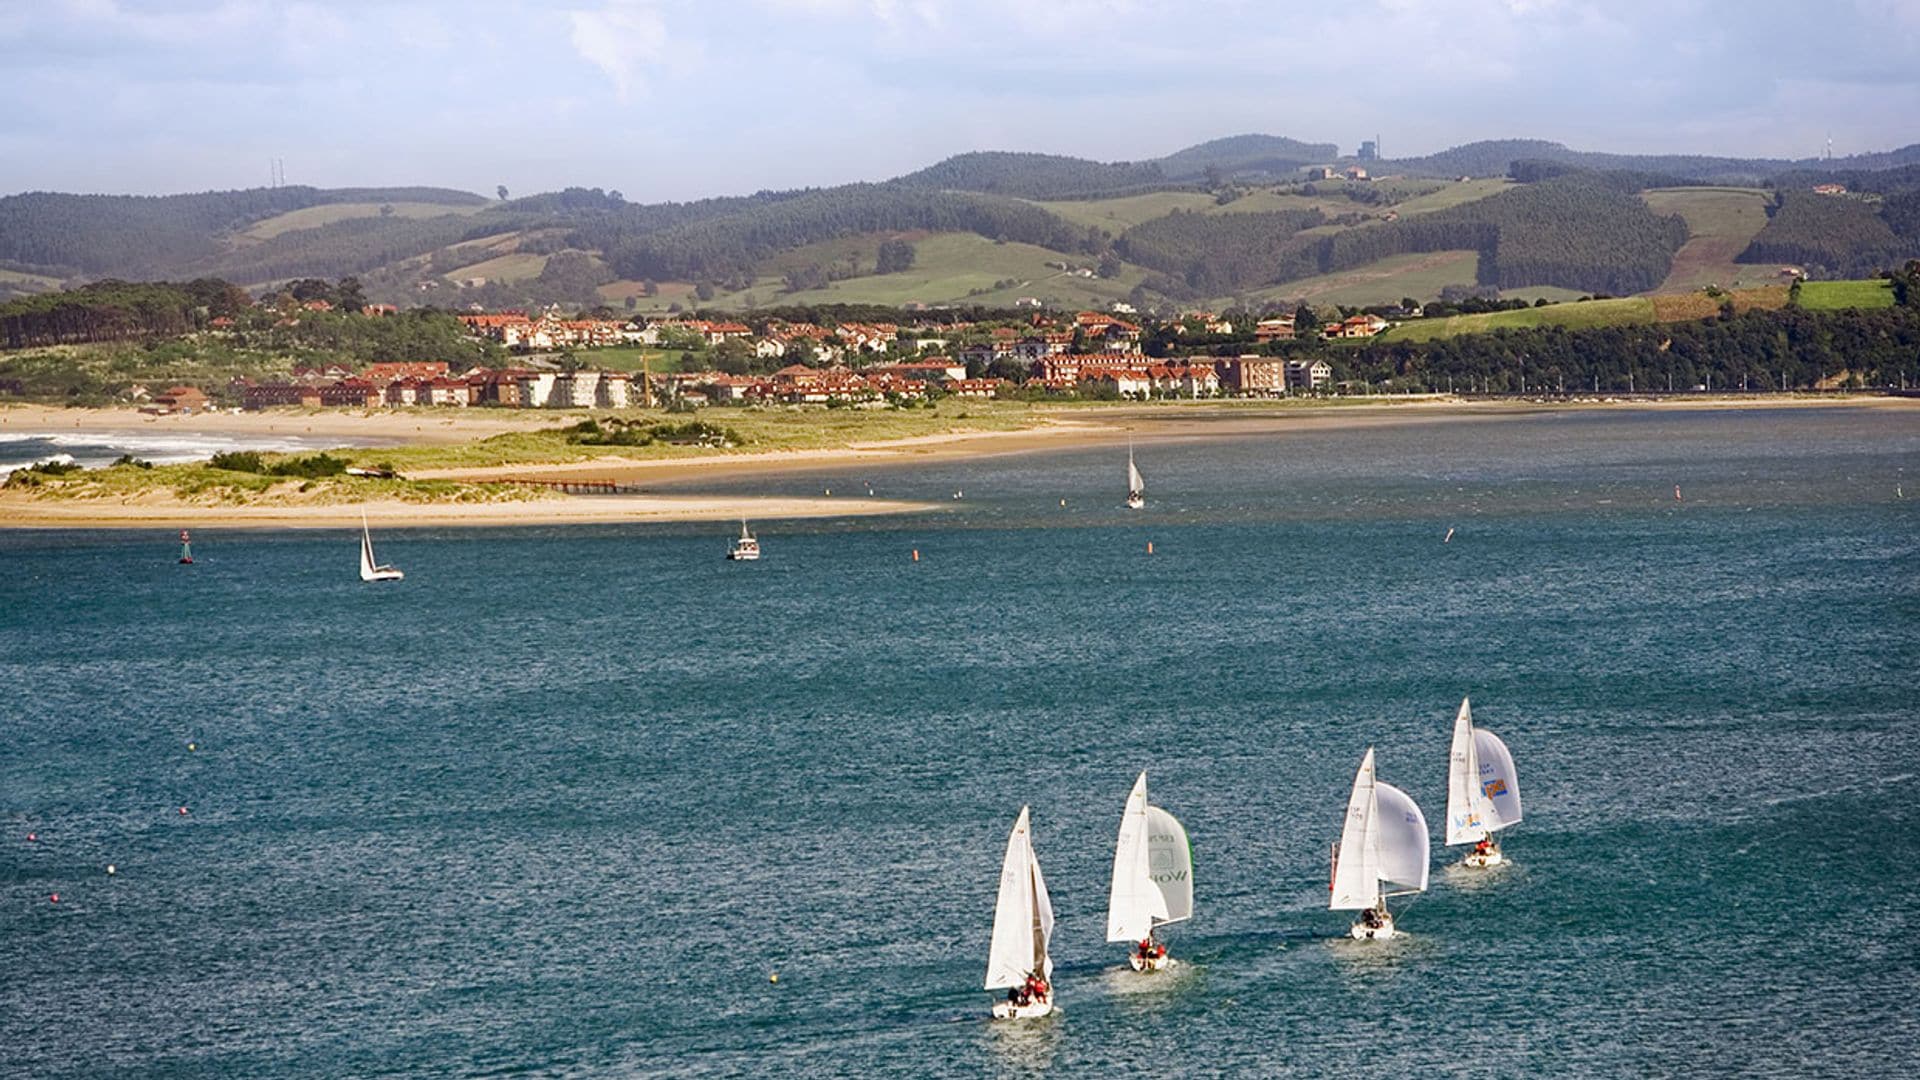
(1052, 429)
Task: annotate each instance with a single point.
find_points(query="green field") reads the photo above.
(948, 268)
(1454, 194)
(514, 266)
(1118, 215)
(315, 216)
(1575, 316)
(1420, 276)
(1722, 221)
(1836, 295)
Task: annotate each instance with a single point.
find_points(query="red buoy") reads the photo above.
(183, 811)
(32, 837)
(55, 898)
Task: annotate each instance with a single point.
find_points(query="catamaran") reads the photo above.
(746, 548)
(1019, 961)
(1382, 852)
(1483, 792)
(369, 569)
(1152, 879)
(1136, 487)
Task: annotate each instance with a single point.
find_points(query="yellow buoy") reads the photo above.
(773, 977)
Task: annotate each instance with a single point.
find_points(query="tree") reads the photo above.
(386, 209)
(894, 256)
(502, 192)
(348, 296)
(703, 291)
(649, 288)
(632, 301)
(1110, 265)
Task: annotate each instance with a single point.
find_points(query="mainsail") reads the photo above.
(1135, 485)
(1022, 915)
(367, 565)
(1134, 904)
(1468, 815)
(1356, 865)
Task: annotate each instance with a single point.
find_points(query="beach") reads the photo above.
(1048, 429)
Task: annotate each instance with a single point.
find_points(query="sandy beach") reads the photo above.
(1053, 429)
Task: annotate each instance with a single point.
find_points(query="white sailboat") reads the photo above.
(1136, 487)
(746, 548)
(369, 569)
(1152, 879)
(1483, 792)
(1019, 962)
(1382, 852)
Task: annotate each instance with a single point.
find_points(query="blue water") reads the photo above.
(561, 801)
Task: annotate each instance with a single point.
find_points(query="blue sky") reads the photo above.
(674, 99)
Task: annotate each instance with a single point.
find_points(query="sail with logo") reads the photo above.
(1136, 487)
(1152, 879)
(1382, 852)
(1483, 791)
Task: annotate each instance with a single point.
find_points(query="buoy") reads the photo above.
(916, 554)
(1149, 547)
(54, 898)
(773, 977)
(829, 491)
(1449, 537)
(193, 746)
(111, 869)
(183, 811)
(1063, 502)
(1676, 491)
(33, 837)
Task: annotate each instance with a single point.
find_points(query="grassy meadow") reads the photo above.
(313, 217)
(1836, 295)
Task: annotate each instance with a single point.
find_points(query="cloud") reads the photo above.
(620, 39)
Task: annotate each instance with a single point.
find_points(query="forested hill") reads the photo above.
(1208, 222)
(140, 236)
(1495, 157)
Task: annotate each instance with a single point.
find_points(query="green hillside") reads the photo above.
(947, 268)
(1721, 222)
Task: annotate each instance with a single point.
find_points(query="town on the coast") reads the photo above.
(1087, 354)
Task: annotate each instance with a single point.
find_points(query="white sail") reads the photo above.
(1403, 841)
(1135, 485)
(1356, 866)
(1499, 786)
(1134, 904)
(367, 565)
(1170, 859)
(1022, 914)
(1467, 813)
(1042, 916)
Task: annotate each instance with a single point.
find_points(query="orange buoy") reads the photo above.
(1149, 547)
(916, 554)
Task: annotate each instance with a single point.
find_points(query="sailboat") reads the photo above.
(369, 569)
(1136, 487)
(1152, 879)
(1483, 792)
(1382, 852)
(1019, 962)
(746, 548)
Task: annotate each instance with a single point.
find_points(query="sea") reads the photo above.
(93, 449)
(592, 801)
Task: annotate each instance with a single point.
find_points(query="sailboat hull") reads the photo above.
(1135, 502)
(1384, 932)
(1480, 862)
(1032, 1010)
(383, 573)
(1148, 965)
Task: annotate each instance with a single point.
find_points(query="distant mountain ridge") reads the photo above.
(406, 236)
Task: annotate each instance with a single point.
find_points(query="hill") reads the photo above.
(1223, 220)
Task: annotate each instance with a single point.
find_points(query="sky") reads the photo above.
(677, 99)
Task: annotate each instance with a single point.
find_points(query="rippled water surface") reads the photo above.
(562, 800)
